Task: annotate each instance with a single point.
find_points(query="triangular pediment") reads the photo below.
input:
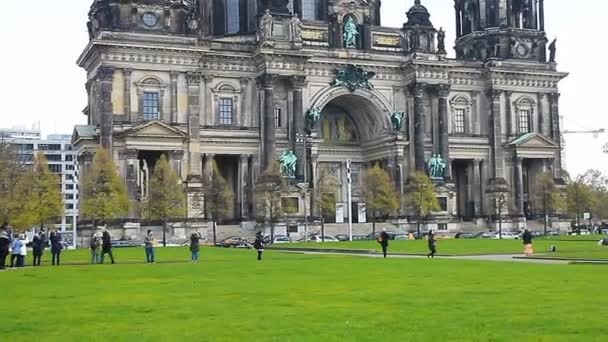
(83, 132)
(533, 140)
(155, 129)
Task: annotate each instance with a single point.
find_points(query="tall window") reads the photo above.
(232, 16)
(524, 121)
(55, 168)
(277, 117)
(151, 106)
(226, 111)
(459, 120)
(312, 9)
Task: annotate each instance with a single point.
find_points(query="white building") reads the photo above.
(59, 152)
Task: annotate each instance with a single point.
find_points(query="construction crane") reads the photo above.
(595, 132)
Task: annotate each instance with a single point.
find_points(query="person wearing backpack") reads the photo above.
(95, 249)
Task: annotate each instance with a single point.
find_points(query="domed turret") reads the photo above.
(418, 15)
(418, 31)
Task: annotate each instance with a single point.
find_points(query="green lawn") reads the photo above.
(571, 249)
(229, 296)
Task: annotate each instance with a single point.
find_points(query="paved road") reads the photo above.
(501, 258)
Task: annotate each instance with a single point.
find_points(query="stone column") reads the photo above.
(246, 108)
(175, 160)
(458, 22)
(106, 76)
(541, 14)
(127, 91)
(208, 168)
(444, 139)
(129, 158)
(509, 114)
(556, 134)
(254, 172)
(484, 187)
(268, 140)
(298, 127)
(207, 110)
(194, 131)
(496, 137)
(519, 187)
(477, 191)
(173, 99)
(541, 114)
(243, 186)
(417, 90)
(475, 114)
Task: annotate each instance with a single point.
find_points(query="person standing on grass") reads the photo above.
(56, 247)
(527, 239)
(23, 250)
(259, 244)
(149, 244)
(383, 241)
(16, 247)
(432, 245)
(5, 243)
(195, 245)
(37, 248)
(106, 246)
(95, 249)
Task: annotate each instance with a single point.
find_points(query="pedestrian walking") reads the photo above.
(432, 245)
(149, 245)
(195, 246)
(56, 247)
(95, 245)
(258, 244)
(16, 247)
(383, 241)
(37, 248)
(527, 240)
(106, 246)
(5, 243)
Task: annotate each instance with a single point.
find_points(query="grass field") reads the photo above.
(229, 296)
(570, 249)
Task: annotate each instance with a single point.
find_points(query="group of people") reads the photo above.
(432, 243)
(15, 245)
(100, 246)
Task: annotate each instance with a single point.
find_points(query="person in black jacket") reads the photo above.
(259, 244)
(106, 246)
(383, 241)
(37, 248)
(56, 247)
(5, 242)
(527, 240)
(432, 245)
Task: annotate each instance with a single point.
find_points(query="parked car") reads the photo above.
(487, 235)
(467, 235)
(342, 237)
(401, 237)
(234, 242)
(123, 244)
(505, 236)
(359, 237)
(327, 238)
(580, 232)
(391, 235)
(281, 239)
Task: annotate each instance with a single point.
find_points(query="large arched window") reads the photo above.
(230, 16)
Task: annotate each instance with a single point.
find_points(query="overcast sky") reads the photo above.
(42, 40)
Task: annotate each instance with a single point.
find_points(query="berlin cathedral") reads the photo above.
(243, 82)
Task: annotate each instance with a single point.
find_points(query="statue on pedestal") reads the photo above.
(288, 162)
(350, 33)
(441, 41)
(265, 26)
(436, 166)
(312, 117)
(552, 50)
(295, 29)
(397, 120)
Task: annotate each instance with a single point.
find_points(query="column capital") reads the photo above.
(298, 82)
(127, 71)
(173, 74)
(207, 78)
(244, 81)
(105, 73)
(88, 156)
(554, 96)
(176, 154)
(267, 81)
(127, 154)
(210, 156)
(443, 90)
(244, 158)
(193, 78)
(494, 94)
(417, 89)
(541, 96)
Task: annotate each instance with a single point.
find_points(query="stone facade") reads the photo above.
(187, 79)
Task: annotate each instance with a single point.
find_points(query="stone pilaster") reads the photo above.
(268, 140)
(477, 191)
(496, 137)
(417, 91)
(444, 140)
(175, 159)
(298, 124)
(194, 143)
(129, 159)
(556, 133)
(208, 168)
(519, 185)
(207, 116)
(246, 108)
(542, 121)
(106, 75)
(173, 98)
(511, 121)
(127, 94)
(243, 186)
(254, 172)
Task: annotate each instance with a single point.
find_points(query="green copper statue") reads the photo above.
(312, 117)
(397, 120)
(350, 33)
(288, 164)
(436, 166)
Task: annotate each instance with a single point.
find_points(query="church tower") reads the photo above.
(500, 29)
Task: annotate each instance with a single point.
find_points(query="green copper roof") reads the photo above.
(84, 131)
(522, 138)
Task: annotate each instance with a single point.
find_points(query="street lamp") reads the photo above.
(305, 139)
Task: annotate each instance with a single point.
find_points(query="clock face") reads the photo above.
(522, 50)
(150, 19)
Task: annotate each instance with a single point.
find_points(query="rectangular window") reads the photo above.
(232, 16)
(53, 157)
(524, 121)
(290, 205)
(55, 168)
(150, 106)
(69, 186)
(226, 111)
(69, 167)
(459, 121)
(49, 147)
(69, 196)
(292, 229)
(69, 157)
(69, 206)
(442, 226)
(311, 10)
(69, 177)
(443, 203)
(277, 117)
